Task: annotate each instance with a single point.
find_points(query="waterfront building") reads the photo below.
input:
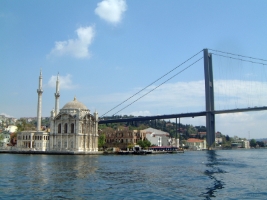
(157, 137)
(33, 140)
(245, 144)
(196, 144)
(5, 139)
(73, 128)
(123, 137)
(174, 142)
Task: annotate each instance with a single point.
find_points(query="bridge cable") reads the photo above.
(237, 55)
(240, 59)
(152, 83)
(158, 86)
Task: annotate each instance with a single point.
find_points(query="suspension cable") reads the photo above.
(157, 86)
(237, 55)
(240, 59)
(152, 83)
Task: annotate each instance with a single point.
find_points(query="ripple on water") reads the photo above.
(192, 175)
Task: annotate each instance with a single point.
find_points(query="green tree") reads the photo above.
(260, 143)
(102, 140)
(144, 143)
(24, 126)
(253, 143)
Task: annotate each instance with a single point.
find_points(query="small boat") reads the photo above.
(123, 152)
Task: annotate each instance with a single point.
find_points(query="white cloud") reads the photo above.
(141, 113)
(246, 124)
(77, 48)
(183, 97)
(65, 82)
(111, 10)
(6, 115)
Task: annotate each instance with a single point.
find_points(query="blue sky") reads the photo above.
(105, 51)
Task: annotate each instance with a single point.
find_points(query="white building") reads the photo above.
(174, 142)
(33, 140)
(196, 144)
(11, 128)
(5, 139)
(157, 137)
(74, 128)
(246, 144)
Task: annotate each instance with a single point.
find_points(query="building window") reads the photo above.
(65, 128)
(59, 128)
(72, 128)
(71, 144)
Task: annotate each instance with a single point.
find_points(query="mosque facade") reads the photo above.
(72, 129)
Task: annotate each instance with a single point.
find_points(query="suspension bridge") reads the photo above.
(210, 112)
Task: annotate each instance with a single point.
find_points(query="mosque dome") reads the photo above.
(74, 105)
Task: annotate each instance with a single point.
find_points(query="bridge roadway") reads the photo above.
(182, 115)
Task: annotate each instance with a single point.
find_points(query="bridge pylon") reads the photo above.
(209, 96)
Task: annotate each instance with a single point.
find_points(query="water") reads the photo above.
(235, 174)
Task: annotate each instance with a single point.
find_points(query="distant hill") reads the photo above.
(261, 139)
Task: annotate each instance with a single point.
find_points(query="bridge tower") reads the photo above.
(209, 94)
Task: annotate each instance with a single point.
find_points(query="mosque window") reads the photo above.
(72, 128)
(65, 128)
(71, 144)
(59, 128)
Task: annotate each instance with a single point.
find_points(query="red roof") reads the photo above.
(194, 140)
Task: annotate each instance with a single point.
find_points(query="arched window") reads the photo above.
(59, 128)
(65, 128)
(72, 128)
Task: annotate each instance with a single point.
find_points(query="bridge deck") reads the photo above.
(181, 115)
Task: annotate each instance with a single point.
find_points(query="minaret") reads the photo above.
(39, 106)
(57, 95)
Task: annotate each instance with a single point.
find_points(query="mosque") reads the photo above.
(72, 128)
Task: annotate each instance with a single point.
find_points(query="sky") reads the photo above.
(106, 51)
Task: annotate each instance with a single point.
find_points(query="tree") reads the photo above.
(144, 143)
(260, 143)
(24, 126)
(253, 143)
(101, 140)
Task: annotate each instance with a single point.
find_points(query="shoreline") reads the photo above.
(77, 152)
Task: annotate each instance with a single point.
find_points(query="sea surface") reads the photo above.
(222, 174)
